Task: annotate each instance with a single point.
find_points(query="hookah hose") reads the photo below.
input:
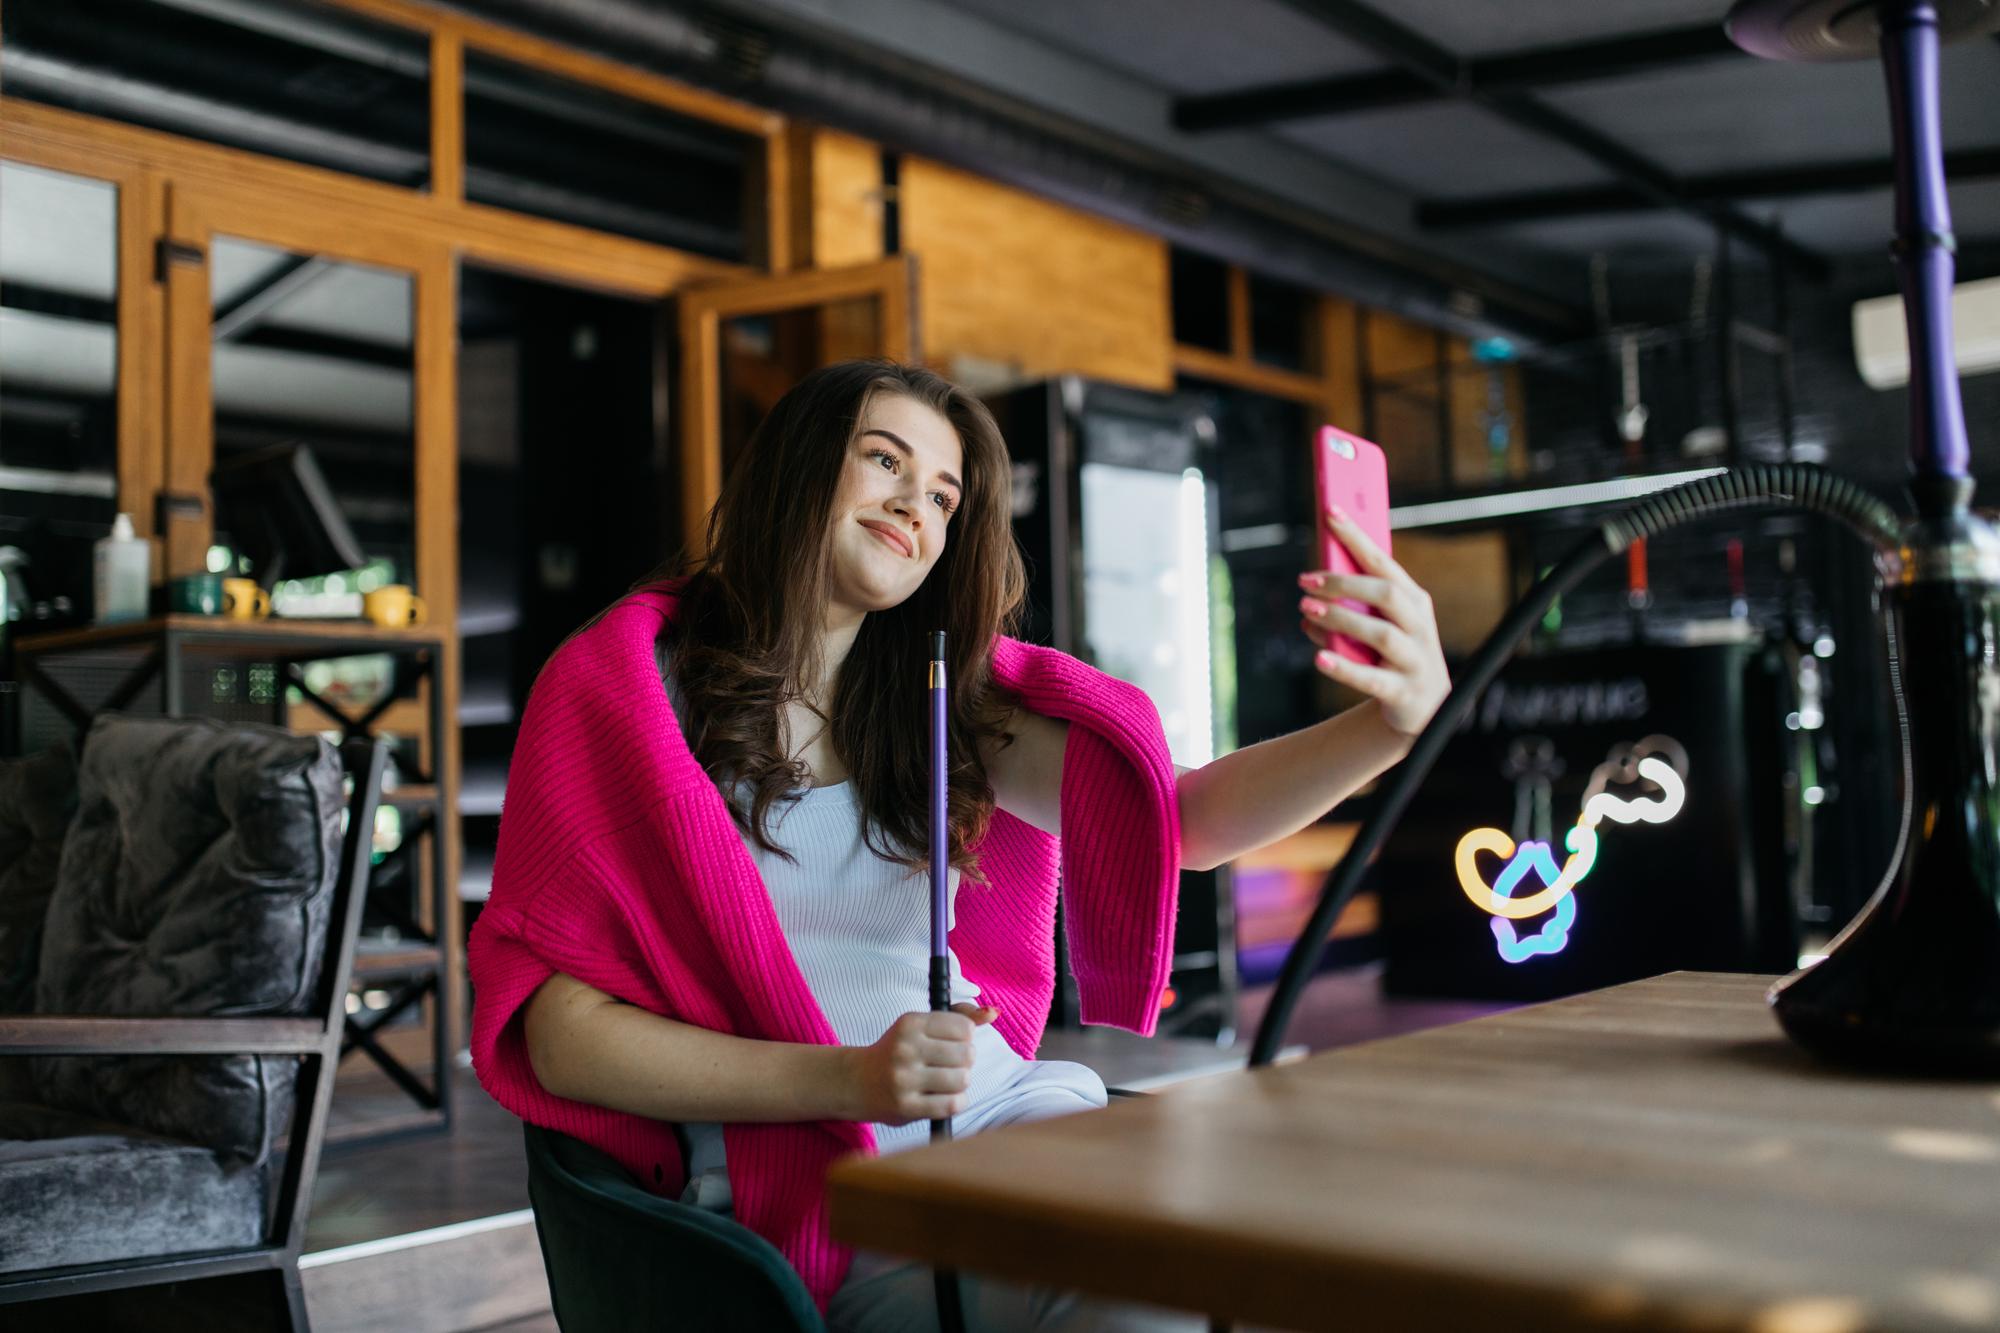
(951, 1318)
(1789, 486)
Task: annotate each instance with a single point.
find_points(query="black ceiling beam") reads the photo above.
(1517, 71)
(1767, 183)
(1376, 90)
(1445, 71)
(32, 298)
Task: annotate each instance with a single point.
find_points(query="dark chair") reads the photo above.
(188, 1011)
(619, 1258)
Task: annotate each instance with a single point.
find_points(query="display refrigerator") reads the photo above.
(1114, 504)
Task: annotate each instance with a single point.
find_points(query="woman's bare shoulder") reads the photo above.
(1026, 772)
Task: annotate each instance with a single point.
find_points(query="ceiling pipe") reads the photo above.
(103, 92)
(347, 36)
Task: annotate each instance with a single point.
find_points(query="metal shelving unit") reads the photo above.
(254, 671)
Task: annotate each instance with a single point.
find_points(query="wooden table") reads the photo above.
(1650, 1156)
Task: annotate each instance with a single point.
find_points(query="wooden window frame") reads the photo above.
(453, 34)
(1334, 389)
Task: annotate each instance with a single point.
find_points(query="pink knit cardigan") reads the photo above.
(618, 864)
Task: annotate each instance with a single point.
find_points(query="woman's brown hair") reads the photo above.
(747, 630)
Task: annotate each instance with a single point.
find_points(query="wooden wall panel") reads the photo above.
(1397, 347)
(1467, 577)
(1474, 466)
(846, 198)
(1403, 400)
(1340, 359)
(1014, 280)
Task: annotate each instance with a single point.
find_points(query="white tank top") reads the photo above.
(859, 928)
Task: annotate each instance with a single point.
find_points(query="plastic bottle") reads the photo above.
(123, 573)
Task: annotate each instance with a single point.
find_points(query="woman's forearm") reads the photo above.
(1255, 796)
(588, 1047)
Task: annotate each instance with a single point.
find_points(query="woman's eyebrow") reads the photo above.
(911, 454)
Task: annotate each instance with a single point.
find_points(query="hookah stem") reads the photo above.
(1924, 246)
(951, 1315)
(940, 862)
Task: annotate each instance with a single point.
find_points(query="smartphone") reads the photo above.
(1353, 474)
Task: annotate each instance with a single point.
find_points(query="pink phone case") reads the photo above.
(1353, 474)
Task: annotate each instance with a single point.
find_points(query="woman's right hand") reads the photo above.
(921, 1067)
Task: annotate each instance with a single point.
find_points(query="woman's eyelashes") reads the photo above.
(943, 498)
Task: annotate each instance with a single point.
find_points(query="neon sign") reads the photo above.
(1626, 764)
(1551, 937)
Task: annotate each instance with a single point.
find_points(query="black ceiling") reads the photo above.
(1801, 146)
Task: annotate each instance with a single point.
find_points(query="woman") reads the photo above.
(709, 905)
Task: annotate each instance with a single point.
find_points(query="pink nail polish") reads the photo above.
(1311, 607)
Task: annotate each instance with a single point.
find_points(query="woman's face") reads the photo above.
(898, 488)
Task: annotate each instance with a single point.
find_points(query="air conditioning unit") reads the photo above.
(1882, 345)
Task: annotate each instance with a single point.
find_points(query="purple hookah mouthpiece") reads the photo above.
(940, 841)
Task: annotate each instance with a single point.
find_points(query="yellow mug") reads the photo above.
(242, 599)
(393, 606)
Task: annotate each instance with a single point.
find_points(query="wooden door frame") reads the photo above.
(890, 281)
(195, 214)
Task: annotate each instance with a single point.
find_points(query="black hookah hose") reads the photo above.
(951, 1316)
(1790, 486)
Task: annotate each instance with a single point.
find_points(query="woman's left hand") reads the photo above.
(1410, 681)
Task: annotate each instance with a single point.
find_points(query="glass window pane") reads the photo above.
(1146, 594)
(1200, 300)
(58, 385)
(296, 80)
(1282, 317)
(537, 143)
(314, 352)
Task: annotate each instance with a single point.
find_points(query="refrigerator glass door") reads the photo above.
(1145, 593)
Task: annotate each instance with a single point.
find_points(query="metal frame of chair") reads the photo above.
(591, 1179)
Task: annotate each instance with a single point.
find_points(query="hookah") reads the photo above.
(1913, 982)
(951, 1314)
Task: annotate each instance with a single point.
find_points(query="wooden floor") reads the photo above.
(367, 1191)
(372, 1192)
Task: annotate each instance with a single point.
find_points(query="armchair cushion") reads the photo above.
(196, 880)
(37, 799)
(75, 1190)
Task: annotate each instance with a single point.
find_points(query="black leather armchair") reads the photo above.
(188, 1003)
